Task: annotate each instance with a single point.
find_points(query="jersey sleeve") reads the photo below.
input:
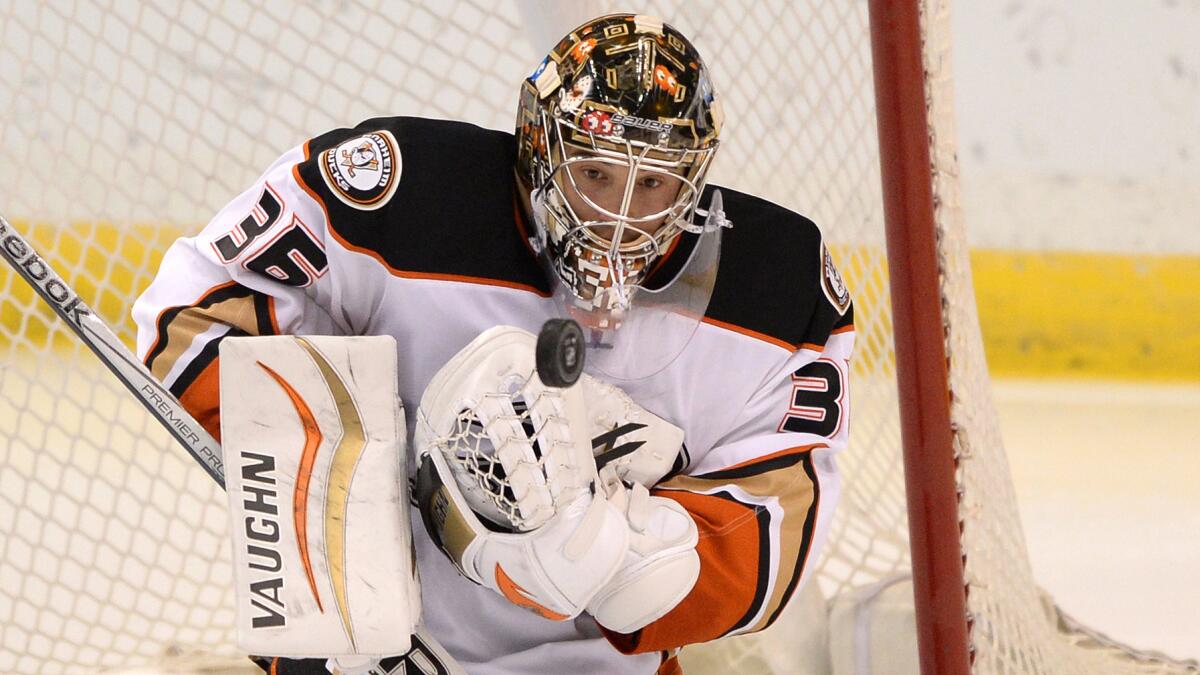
(763, 496)
(260, 267)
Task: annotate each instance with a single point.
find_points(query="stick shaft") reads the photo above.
(67, 304)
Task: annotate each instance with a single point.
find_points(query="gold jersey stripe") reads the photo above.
(238, 312)
(796, 494)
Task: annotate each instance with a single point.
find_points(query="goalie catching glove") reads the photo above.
(508, 487)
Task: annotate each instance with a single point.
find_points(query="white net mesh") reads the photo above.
(126, 124)
(501, 450)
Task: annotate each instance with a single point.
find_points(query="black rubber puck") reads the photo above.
(560, 352)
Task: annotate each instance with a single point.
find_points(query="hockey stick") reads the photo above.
(66, 303)
(161, 403)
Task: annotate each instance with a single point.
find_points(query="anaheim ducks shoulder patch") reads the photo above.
(831, 282)
(363, 172)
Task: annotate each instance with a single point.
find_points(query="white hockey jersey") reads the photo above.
(409, 227)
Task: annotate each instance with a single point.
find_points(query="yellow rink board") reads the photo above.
(1059, 314)
(107, 265)
(1043, 314)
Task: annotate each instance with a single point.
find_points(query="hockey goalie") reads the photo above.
(678, 492)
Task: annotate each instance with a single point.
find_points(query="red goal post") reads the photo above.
(919, 336)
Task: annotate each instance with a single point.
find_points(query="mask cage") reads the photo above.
(590, 256)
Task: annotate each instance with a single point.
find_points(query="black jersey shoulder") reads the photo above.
(772, 277)
(451, 211)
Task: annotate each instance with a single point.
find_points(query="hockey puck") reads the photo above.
(560, 351)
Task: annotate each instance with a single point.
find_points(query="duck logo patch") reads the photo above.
(831, 282)
(363, 172)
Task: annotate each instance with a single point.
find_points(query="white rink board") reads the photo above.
(1079, 124)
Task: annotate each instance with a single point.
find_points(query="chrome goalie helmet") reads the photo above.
(616, 130)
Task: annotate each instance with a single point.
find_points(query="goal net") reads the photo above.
(126, 125)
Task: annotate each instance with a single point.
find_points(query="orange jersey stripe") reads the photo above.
(670, 666)
(729, 573)
(773, 340)
(751, 333)
(787, 451)
(203, 399)
(271, 313)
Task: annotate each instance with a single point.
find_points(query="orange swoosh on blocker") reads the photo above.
(312, 440)
(520, 597)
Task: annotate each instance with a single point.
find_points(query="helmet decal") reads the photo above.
(571, 99)
(666, 81)
(597, 122)
(582, 50)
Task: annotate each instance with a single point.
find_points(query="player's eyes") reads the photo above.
(651, 182)
(592, 174)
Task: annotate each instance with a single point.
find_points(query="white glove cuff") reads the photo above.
(660, 568)
(557, 569)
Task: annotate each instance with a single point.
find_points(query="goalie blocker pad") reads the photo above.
(315, 459)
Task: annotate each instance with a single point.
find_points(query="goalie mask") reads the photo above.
(616, 130)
